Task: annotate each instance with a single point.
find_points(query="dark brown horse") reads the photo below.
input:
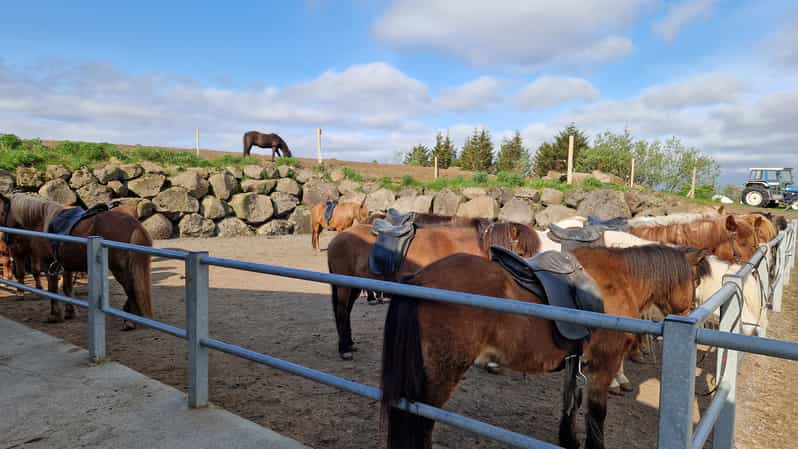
(428, 346)
(131, 269)
(348, 253)
(271, 140)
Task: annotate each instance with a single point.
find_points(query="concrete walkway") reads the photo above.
(51, 397)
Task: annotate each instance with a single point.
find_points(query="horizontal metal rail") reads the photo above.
(705, 310)
(373, 393)
(161, 252)
(776, 241)
(56, 237)
(704, 427)
(157, 325)
(45, 293)
(545, 311)
(745, 343)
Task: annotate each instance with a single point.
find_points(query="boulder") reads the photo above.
(574, 197)
(285, 171)
(519, 211)
(607, 178)
(289, 186)
(176, 200)
(224, 185)
(284, 203)
(404, 204)
(355, 198)
(371, 187)
(252, 207)
(446, 202)
(301, 220)
(380, 200)
(553, 175)
(29, 178)
(276, 227)
(479, 207)
(421, 204)
(407, 192)
(337, 175)
(203, 172)
(582, 177)
(237, 172)
(94, 193)
(213, 208)
(552, 214)
(269, 171)
(638, 201)
(527, 194)
(118, 188)
(108, 172)
(146, 186)
(152, 167)
(264, 186)
(81, 177)
(233, 227)
(130, 171)
(58, 190)
(195, 225)
(196, 185)
(501, 194)
(551, 196)
(304, 175)
(144, 207)
(347, 187)
(253, 171)
(604, 204)
(7, 182)
(56, 172)
(317, 191)
(472, 192)
(158, 226)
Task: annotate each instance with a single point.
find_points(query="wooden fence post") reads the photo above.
(632, 176)
(570, 175)
(196, 142)
(691, 193)
(318, 144)
(435, 173)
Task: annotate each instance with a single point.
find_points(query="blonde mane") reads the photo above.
(33, 212)
(666, 220)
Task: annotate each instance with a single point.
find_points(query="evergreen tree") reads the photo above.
(477, 152)
(419, 155)
(513, 157)
(554, 155)
(444, 150)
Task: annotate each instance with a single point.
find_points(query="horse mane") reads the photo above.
(501, 234)
(667, 220)
(34, 212)
(704, 233)
(664, 268)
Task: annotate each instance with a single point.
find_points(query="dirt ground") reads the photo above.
(292, 319)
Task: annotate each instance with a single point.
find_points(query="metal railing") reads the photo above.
(680, 335)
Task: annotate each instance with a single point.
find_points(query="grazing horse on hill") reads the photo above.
(428, 345)
(271, 140)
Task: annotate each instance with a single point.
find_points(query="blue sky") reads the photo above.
(380, 76)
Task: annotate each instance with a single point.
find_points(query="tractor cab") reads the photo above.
(767, 186)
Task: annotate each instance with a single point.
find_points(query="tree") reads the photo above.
(513, 157)
(610, 153)
(444, 150)
(419, 155)
(678, 168)
(477, 154)
(554, 155)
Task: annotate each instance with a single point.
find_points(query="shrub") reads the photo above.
(479, 177)
(352, 175)
(290, 161)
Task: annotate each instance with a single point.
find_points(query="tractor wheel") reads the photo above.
(794, 205)
(755, 196)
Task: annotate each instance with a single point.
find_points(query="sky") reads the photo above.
(381, 76)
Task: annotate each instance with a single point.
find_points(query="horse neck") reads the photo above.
(712, 281)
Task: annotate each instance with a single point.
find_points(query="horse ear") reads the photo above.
(695, 255)
(721, 209)
(758, 221)
(731, 223)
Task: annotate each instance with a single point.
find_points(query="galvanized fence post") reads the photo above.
(727, 364)
(97, 262)
(784, 269)
(790, 249)
(763, 274)
(677, 389)
(197, 329)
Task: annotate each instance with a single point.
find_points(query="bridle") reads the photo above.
(735, 253)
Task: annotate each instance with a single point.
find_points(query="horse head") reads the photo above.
(741, 240)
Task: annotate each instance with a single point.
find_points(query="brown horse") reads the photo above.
(273, 141)
(131, 269)
(5, 258)
(348, 253)
(343, 217)
(731, 238)
(428, 346)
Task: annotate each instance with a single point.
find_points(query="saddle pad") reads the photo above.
(388, 252)
(328, 211)
(397, 218)
(559, 280)
(67, 219)
(612, 224)
(586, 234)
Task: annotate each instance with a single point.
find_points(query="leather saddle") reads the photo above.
(558, 279)
(571, 238)
(328, 210)
(65, 221)
(612, 224)
(394, 234)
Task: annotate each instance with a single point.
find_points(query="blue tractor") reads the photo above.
(769, 186)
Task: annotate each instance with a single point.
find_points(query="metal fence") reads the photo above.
(680, 334)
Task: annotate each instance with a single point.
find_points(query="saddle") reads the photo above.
(65, 221)
(572, 238)
(394, 234)
(612, 224)
(558, 279)
(328, 211)
(395, 217)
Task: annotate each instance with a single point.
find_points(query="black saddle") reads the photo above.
(572, 238)
(328, 210)
(397, 218)
(559, 280)
(393, 240)
(65, 221)
(612, 224)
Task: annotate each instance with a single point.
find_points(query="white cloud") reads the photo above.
(508, 32)
(548, 91)
(478, 94)
(680, 14)
(704, 90)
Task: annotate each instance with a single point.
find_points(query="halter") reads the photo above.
(735, 253)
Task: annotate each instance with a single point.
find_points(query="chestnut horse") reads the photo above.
(273, 141)
(428, 346)
(348, 253)
(343, 217)
(131, 269)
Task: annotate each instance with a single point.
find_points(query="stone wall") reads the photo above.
(270, 200)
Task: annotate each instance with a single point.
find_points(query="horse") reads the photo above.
(271, 140)
(343, 217)
(131, 269)
(428, 346)
(777, 220)
(348, 254)
(5, 258)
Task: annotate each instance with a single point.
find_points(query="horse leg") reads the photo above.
(67, 288)
(343, 298)
(371, 298)
(56, 308)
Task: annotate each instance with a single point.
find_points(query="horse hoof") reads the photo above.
(627, 387)
(128, 326)
(616, 391)
(492, 367)
(347, 355)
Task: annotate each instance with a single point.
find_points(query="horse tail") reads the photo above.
(403, 374)
(571, 400)
(139, 266)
